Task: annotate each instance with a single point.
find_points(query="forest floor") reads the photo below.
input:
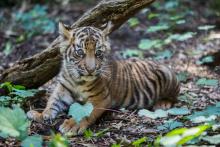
(186, 36)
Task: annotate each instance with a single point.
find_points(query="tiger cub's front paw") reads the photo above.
(35, 116)
(71, 128)
(46, 116)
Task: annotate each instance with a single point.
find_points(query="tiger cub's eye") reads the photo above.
(99, 53)
(80, 52)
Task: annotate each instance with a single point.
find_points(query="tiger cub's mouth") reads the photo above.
(88, 78)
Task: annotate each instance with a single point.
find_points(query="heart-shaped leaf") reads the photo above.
(78, 111)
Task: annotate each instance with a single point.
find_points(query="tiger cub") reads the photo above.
(87, 75)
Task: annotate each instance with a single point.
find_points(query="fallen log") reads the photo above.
(35, 71)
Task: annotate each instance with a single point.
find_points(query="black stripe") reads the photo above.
(66, 88)
(152, 81)
(98, 93)
(67, 80)
(56, 105)
(66, 105)
(54, 109)
(160, 81)
(127, 79)
(93, 84)
(144, 83)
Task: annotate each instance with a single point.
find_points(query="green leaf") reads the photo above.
(178, 111)
(132, 53)
(166, 54)
(20, 38)
(179, 37)
(115, 145)
(23, 93)
(132, 22)
(176, 17)
(170, 125)
(171, 4)
(7, 85)
(182, 21)
(182, 135)
(207, 82)
(153, 15)
(157, 114)
(209, 111)
(206, 59)
(19, 87)
(5, 100)
(36, 20)
(185, 36)
(157, 28)
(32, 141)
(78, 111)
(201, 119)
(58, 141)
(182, 76)
(8, 48)
(206, 27)
(138, 142)
(215, 139)
(146, 44)
(10, 87)
(101, 133)
(13, 122)
(88, 134)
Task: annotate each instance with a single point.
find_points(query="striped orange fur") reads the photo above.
(88, 75)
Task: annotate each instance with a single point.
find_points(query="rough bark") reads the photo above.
(40, 68)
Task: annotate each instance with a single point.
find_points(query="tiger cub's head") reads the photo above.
(84, 50)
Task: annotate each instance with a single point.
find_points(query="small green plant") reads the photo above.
(116, 145)
(157, 28)
(180, 136)
(32, 141)
(14, 123)
(14, 94)
(207, 82)
(182, 76)
(8, 48)
(170, 125)
(206, 59)
(127, 53)
(166, 54)
(88, 134)
(138, 142)
(35, 20)
(133, 22)
(146, 44)
(58, 141)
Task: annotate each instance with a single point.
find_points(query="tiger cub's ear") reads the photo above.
(65, 31)
(107, 29)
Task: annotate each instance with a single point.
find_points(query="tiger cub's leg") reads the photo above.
(163, 104)
(58, 102)
(71, 127)
(166, 103)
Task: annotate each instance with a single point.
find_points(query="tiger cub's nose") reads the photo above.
(90, 70)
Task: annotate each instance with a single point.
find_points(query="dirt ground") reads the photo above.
(126, 126)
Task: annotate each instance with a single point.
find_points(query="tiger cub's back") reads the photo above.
(141, 83)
